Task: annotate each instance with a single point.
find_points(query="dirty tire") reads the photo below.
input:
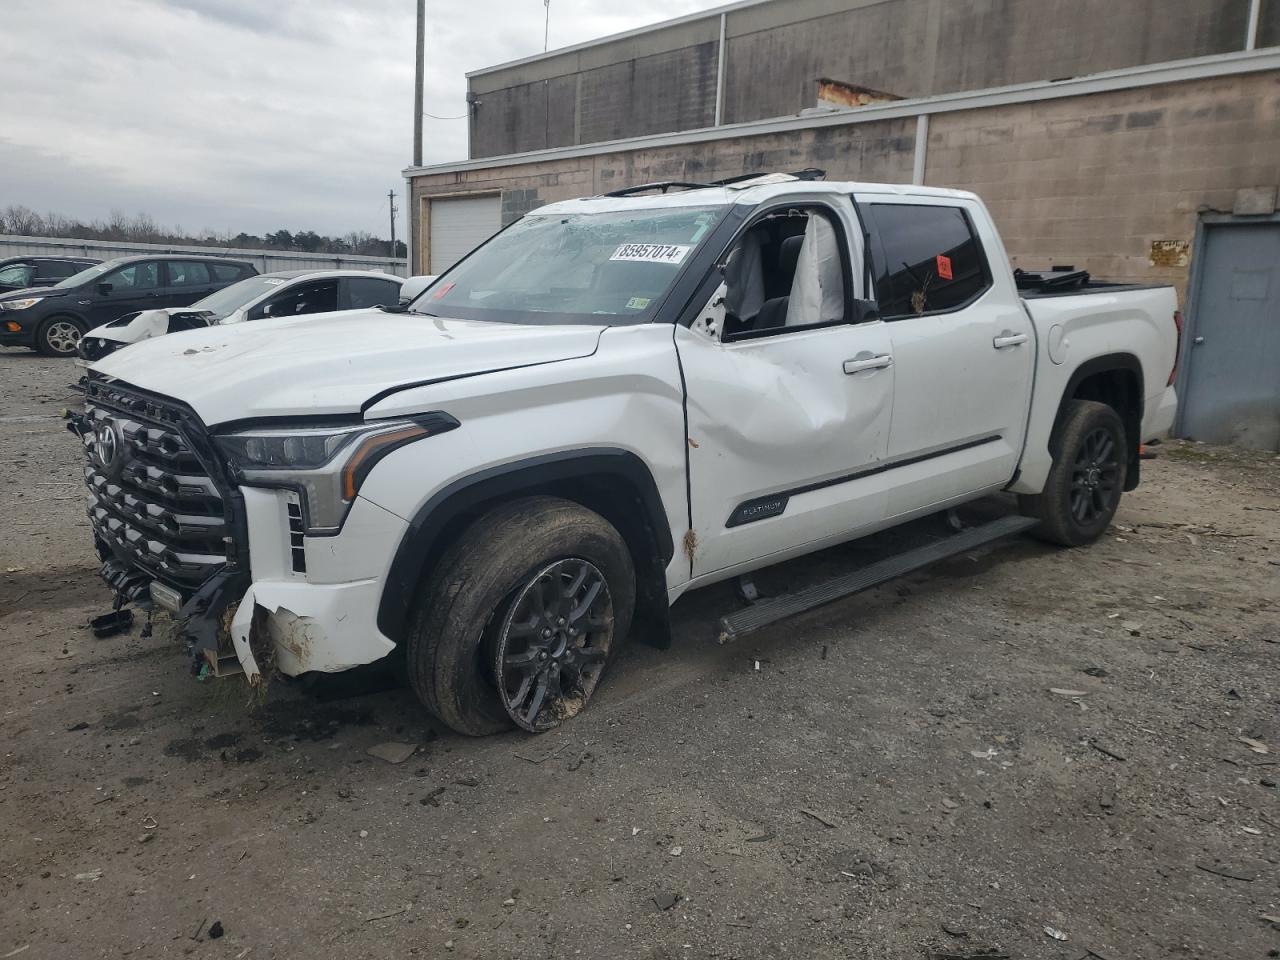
(59, 337)
(1090, 461)
(469, 594)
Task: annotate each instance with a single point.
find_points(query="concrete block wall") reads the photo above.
(1094, 181)
(665, 80)
(1091, 181)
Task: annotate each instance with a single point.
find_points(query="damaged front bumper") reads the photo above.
(233, 626)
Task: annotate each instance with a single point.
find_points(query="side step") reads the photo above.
(770, 611)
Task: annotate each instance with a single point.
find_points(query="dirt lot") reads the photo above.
(889, 777)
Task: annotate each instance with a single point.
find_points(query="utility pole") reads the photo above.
(418, 82)
(391, 197)
(546, 30)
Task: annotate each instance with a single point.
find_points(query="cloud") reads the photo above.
(247, 114)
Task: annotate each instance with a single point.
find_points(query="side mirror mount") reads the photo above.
(104, 288)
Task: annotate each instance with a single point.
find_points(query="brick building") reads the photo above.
(1138, 139)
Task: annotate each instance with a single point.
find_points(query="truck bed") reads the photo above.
(1068, 282)
(1092, 286)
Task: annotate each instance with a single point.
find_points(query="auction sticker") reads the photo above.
(652, 252)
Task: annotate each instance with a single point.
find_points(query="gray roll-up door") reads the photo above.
(459, 225)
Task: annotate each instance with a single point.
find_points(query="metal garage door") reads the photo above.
(1232, 392)
(459, 225)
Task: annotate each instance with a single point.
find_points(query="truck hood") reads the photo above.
(309, 366)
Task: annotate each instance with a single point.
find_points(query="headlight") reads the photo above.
(22, 304)
(326, 465)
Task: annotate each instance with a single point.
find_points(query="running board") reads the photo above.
(771, 610)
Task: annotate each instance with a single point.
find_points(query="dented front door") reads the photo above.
(785, 435)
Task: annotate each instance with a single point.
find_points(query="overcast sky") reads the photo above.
(252, 115)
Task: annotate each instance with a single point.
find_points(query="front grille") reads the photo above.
(157, 501)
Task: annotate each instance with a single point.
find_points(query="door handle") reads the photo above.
(859, 364)
(1009, 339)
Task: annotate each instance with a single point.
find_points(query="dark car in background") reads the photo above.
(53, 319)
(18, 273)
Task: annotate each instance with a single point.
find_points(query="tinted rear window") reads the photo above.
(929, 259)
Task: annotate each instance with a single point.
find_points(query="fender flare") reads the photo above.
(425, 539)
(1105, 364)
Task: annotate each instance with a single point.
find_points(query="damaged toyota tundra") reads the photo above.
(612, 402)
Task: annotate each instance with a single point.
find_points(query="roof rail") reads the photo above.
(663, 185)
(809, 173)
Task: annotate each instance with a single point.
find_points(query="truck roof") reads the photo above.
(750, 193)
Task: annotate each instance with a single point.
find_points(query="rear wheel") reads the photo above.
(520, 617)
(59, 337)
(1082, 492)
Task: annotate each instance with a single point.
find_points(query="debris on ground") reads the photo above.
(1105, 750)
(432, 799)
(1257, 746)
(110, 624)
(215, 930)
(1055, 933)
(1063, 692)
(90, 875)
(825, 821)
(1228, 872)
(676, 850)
(665, 901)
(392, 752)
(388, 915)
(467, 782)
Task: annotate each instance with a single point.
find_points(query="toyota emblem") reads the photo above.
(107, 445)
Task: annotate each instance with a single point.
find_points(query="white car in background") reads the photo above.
(288, 293)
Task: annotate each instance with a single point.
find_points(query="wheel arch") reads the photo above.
(615, 483)
(1115, 379)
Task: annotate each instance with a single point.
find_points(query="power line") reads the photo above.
(461, 116)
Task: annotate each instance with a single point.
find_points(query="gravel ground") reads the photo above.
(891, 776)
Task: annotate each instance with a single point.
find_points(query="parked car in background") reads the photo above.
(18, 273)
(288, 293)
(53, 319)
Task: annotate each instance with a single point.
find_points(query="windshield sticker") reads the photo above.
(652, 252)
(273, 282)
(944, 267)
(639, 303)
(443, 291)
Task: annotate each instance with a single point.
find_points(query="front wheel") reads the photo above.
(59, 337)
(520, 617)
(1082, 492)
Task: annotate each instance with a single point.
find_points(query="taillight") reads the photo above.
(1177, 347)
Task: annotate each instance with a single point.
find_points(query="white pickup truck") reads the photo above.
(613, 401)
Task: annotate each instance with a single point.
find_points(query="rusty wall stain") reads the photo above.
(1170, 253)
(837, 93)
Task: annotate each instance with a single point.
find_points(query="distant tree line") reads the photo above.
(141, 228)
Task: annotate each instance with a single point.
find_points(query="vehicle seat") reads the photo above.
(774, 312)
